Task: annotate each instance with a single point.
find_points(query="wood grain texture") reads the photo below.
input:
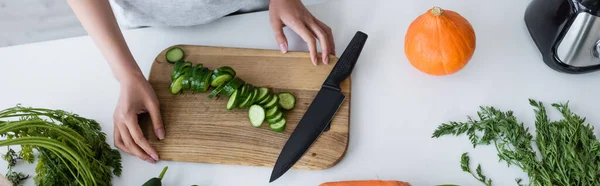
(199, 129)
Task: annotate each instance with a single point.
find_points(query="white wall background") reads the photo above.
(28, 21)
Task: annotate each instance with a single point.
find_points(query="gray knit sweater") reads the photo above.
(139, 13)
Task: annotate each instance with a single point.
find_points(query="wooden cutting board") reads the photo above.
(199, 129)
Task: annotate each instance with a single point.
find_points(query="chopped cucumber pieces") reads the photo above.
(174, 54)
(262, 103)
(287, 101)
(256, 114)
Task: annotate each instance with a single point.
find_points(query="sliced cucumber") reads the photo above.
(272, 112)
(178, 66)
(272, 103)
(216, 91)
(255, 96)
(226, 70)
(248, 101)
(174, 54)
(219, 79)
(278, 116)
(256, 115)
(186, 84)
(195, 78)
(232, 86)
(267, 99)
(279, 126)
(233, 100)
(287, 100)
(181, 71)
(263, 92)
(204, 83)
(175, 87)
(246, 90)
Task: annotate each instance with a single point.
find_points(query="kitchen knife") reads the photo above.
(321, 110)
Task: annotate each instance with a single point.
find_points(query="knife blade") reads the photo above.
(322, 109)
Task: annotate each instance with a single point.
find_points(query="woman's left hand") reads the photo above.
(293, 14)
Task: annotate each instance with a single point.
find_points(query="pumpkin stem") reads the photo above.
(437, 11)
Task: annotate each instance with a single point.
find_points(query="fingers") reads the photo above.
(154, 111)
(119, 141)
(323, 39)
(327, 29)
(277, 27)
(131, 146)
(309, 38)
(136, 136)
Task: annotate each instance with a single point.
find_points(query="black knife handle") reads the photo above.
(343, 68)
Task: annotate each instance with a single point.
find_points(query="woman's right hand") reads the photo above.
(136, 97)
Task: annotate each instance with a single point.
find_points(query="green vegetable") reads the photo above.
(272, 112)
(466, 167)
(15, 178)
(287, 100)
(272, 103)
(176, 85)
(256, 115)
(262, 94)
(218, 80)
(204, 83)
(568, 148)
(174, 54)
(216, 91)
(241, 94)
(72, 149)
(157, 181)
(276, 118)
(233, 100)
(226, 69)
(279, 126)
(232, 86)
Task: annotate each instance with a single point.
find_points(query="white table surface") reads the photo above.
(395, 108)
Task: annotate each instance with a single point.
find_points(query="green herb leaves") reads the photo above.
(72, 149)
(570, 152)
(465, 165)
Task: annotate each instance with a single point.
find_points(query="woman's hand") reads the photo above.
(136, 97)
(293, 14)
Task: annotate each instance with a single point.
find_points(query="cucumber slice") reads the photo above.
(247, 89)
(272, 103)
(248, 101)
(176, 68)
(267, 99)
(278, 116)
(232, 86)
(181, 71)
(226, 70)
(219, 79)
(186, 84)
(233, 100)
(255, 96)
(279, 126)
(263, 92)
(216, 91)
(195, 78)
(287, 100)
(175, 87)
(174, 54)
(272, 112)
(204, 81)
(256, 115)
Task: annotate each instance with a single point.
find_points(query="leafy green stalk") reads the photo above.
(465, 165)
(568, 147)
(72, 149)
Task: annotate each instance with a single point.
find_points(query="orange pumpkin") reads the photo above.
(439, 42)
